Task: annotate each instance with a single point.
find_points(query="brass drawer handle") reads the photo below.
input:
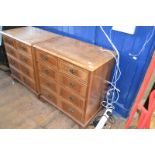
(71, 98)
(72, 85)
(73, 71)
(46, 71)
(45, 58)
(71, 110)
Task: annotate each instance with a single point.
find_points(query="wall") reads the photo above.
(132, 70)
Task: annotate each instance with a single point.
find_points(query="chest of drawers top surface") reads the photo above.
(29, 35)
(77, 52)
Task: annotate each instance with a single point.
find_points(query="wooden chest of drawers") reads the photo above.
(71, 76)
(18, 44)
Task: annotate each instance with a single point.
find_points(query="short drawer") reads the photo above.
(48, 83)
(15, 73)
(11, 50)
(48, 95)
(72, 98)
(28, 82)
(13, 62)
(73, 70)
(23, 48)
(25, 60)
(75, 86)
(71, 110)
(8, 40)
(47, 58)
(27, 71)
(47, 71)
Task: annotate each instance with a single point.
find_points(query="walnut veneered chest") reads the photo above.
(18, 45)
(71, 76)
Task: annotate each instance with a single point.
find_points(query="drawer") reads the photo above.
(11, 50)
(48, 83)
(28, 82)
(15, 73)
(9, 41)
(27, 71)
(47, 72)
(71, 110)
(25, 60)
(23, 48)
(73, 99)
(13, 62)
(47, 58)
(75, 86)
(48, 95)
(73, 70)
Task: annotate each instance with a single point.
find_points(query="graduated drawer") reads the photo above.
(9, 41)
(23, 48)
(51, 85)
(47, 71)
(11, 50)
(27, 71)
(28, 82)
(48, 95)
(47, 58)
(71, 110)
(73, 70)
(72, 98)
(25, 60)
(13, 62)
(75, 86)
(15, 73)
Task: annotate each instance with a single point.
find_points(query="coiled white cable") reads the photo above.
(112, 94)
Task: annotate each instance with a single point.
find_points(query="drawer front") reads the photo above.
(46, 58)
(73, 99)
(74, 70)
(48, 84)
(15, 73)
(47, 72)
(27, 71)
(26, 60)
(71, 110)
(28, 82)
(11, 50)
(73, 85)
(13, 62)
(23, 48)
(8, 40)
(48, 95)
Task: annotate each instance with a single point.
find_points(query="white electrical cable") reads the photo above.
(147, 40)
(112, 94)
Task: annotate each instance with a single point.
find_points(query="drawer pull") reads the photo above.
(73, 71)
(71, 98)
(71, 110)
(45, 58)
(46, 71)
(72, 85)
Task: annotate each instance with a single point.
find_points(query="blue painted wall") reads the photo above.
(133, 71)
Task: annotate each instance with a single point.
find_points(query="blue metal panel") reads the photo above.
(133, 71)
